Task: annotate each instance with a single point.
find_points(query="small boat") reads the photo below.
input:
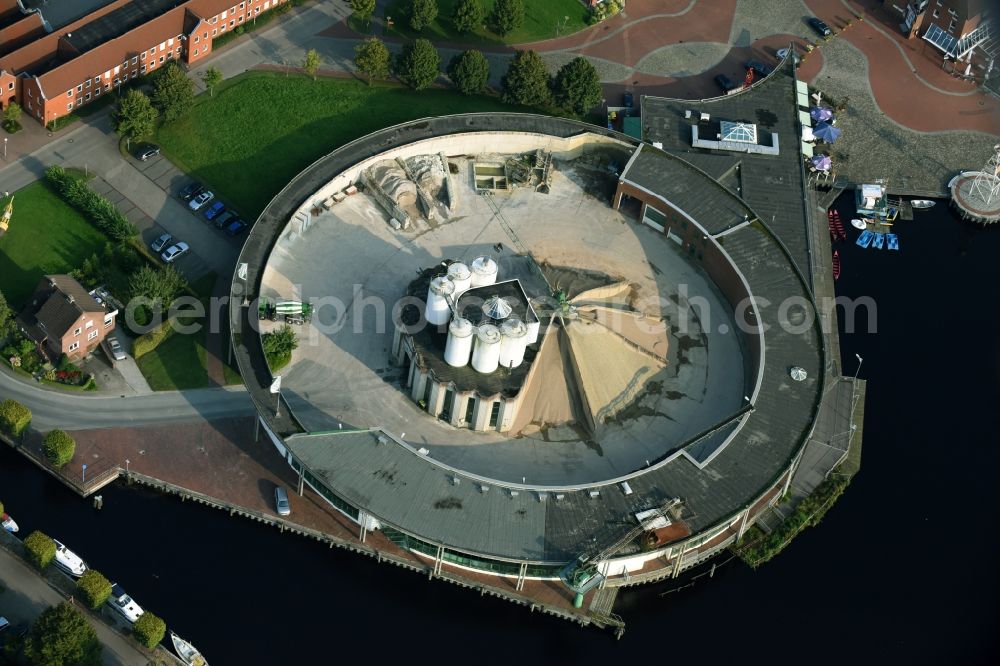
(9, 524)
(865, 239)
(893, 241)
(836, 265)
(858, 223)
(124, 604)
(879, 241)
(838, 226)
(891, 214)
(188, 653)
(922, 203)
(69, 561)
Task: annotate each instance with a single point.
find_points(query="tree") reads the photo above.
(507, 16)
(93, 588)
(311, 63)
(363, 9)
(419, 64)
(62, 636)
(468, 15)
(149, 629)
(14, 417)
(371, 57)
(278, 346)
(41, 549)
(159, 285)
(211, 77)
(11, 115)
(422, 13)
(59, 447)
(7, 324)
(527, 81)
(578, 86)
(135, 116)
(470, 71)
(173, 92)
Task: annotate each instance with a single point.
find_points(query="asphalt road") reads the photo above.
(27, 595)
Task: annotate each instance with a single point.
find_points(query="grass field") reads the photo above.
(543, 19)
(46, 236)
(262, 128)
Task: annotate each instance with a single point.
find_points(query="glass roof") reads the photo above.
(740, 132)
(941, 39)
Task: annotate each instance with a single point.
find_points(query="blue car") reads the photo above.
(236, 228)
(215, 209)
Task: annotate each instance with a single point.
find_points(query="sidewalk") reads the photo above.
(27, 595)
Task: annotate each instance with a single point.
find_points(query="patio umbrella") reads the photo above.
(820, 114)
(822, 162)
(826, 132)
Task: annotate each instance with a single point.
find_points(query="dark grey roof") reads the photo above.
(116, 23)
(57, 303)
(772, 185)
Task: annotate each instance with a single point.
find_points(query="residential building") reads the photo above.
(55, 59)
(63, 318)
(962, 31)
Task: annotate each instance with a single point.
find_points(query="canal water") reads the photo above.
(902, 569)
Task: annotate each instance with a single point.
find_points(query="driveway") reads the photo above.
(27, 595)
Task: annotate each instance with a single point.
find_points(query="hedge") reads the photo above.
(93, 588)
(14, 417)
(1, 508)
(147, 342)
(149, 630)
(59, 447)
(102, 213)
(41, 549)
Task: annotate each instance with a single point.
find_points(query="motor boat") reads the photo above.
(69, 561)
(858, 223)
(188, 653)
(836, 265)
(124, 604)
(9, 524)
(922, 203)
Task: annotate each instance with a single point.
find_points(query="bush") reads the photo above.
(59, 447)
(149, 630)
(147, 342)
(14, 417)
(102, 213)
(527, 81)
(470, 71)
(93, 588)
(41, 549)
(278, 346)
(1, 508)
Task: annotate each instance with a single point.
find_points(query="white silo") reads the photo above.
(438, 311)
(484, 271)
(513, 341)
(461, 276)
(459, 346)
(533, 327)
(486, 353)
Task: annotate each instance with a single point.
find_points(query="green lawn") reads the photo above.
(46, 236)
(261, 128)
(543, 19)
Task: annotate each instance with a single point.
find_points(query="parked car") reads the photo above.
(174, 252)
(783, 53)
(160, 243)
(200, 200)
(822, 28)
(226, 219)
(759, 68)
(236, 228)
(146, 150)
(214, 210)
(724, 82)
(4, 623)
(192, 189)
(281, 501)
(116, 349)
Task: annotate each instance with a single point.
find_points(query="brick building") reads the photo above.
(63, 318)
(962, 30)
(57, 55)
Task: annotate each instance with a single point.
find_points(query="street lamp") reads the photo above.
(127, 461)
(85, 472)
(5, 147)
(860, 361)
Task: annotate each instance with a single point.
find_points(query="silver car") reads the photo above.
(161, 242)
(281, 502)
(201, 200)
(116, 349)
(175, 252)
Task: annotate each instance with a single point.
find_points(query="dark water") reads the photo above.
(903, 569)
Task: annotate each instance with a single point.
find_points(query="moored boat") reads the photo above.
(69, 561)
(124, 604)
(858, 223)
(836, 265)
(879, 241)
(922, 203)
(865, 239)
(893, 241)
(9, 524)
(188, 653)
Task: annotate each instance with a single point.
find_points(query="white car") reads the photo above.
(201, 200)
(116, 349)
(124, 604)
(174, 252)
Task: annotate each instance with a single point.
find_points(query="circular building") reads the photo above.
(537, 348)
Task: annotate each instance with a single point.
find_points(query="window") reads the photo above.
(470, 410)
(10, 86)
(142, 56)
(69, 107)
(143, 69)
(196, 39)
(937, 14)
(78, 331)
(74, 346)
(241, 18)
(951, 25)
(97, 92)
(214, 32)
(91, 335)
(97, 80)
(204, 35)
(125, 63)
(79, 88)
(495, 414)
(152, 51)
(135, 74)
(87, 97)
(108, 321)
(170, 54)
(161, 59)
(196, 51)
(69, 93)
(118, 82)
(88, 83)
(233, 10)
(135, 59)
(232, 23)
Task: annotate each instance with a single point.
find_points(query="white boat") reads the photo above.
(124, 604)
(69, 561)
(858, 223)
(9, 524)
(188, 653)
(922, 203)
